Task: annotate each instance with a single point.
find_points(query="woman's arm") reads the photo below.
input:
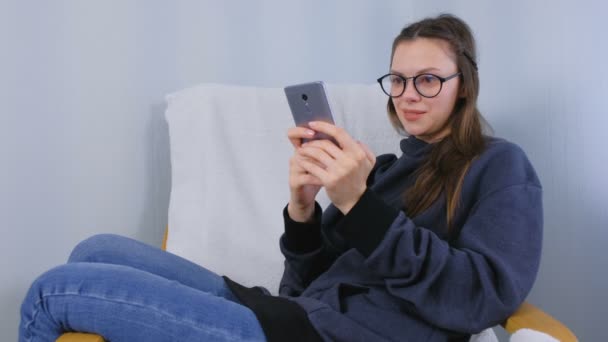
(305, 257)
(476, 281)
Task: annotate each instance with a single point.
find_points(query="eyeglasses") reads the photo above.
(427, 85)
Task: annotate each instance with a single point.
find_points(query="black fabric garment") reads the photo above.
(280, 318)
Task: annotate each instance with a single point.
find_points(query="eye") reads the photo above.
(395, 80)
(427, 79)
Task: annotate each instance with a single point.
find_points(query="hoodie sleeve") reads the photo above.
(305, 257)
(302, 245)
(468, 284)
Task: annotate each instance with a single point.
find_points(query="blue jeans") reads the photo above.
(125, 290)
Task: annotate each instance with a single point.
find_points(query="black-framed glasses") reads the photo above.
(427, 85)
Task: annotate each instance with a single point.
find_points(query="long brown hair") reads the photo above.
(449, 159)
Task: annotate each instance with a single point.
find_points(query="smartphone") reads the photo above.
(308, 102)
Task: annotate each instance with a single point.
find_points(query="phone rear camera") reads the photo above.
(304, 97)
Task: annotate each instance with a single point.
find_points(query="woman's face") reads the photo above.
(424, 117)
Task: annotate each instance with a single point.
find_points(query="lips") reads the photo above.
(412, 115)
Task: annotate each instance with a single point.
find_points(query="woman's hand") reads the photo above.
(302, 185)
(343, 170)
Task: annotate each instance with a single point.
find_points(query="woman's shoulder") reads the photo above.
(499, 150)
(500, 145)
(504, 162)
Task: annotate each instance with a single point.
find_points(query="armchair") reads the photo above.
(220, 134)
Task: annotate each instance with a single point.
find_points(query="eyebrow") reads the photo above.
(422, 71)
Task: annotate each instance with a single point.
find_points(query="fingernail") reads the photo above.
(312, 123)
(310, 132)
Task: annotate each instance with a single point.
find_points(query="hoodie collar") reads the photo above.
(414, 147)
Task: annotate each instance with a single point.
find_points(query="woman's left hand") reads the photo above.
(343, 170)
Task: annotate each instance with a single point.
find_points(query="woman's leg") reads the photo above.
(126, 304)
(120, 250)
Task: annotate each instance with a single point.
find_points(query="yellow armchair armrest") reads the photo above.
(530, 317)
(79, 337)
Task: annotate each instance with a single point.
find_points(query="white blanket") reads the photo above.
(229, 158)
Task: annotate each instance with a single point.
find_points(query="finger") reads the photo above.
(318, 155)
(307, 179)
(301, 156)
(296, 134)
(298, 176)
(314, 170)
(341, 136)
(357, 154)
(329, 147)
(368, 152)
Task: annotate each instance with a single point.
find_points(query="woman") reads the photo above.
(435, 245)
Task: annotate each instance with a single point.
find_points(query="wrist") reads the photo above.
(301, 214)
(346, 207)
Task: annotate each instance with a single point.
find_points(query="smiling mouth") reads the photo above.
(412, 114)
(412, 111)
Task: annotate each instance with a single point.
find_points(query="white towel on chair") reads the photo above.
(229, 159)
(529, 335)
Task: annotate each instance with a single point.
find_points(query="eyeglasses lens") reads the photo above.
(427, 85)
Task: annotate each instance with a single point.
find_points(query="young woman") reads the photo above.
(439, 243)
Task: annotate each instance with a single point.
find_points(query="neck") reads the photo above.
(435, 137)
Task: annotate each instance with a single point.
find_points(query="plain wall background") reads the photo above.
(84, 147)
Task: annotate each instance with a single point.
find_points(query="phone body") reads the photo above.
(308, 102)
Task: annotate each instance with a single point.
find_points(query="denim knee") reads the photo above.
(34, 313)
(48, 279)
(96, 248)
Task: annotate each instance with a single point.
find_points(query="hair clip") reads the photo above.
(470, 59)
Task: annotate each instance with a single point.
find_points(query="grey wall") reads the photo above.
(84, 148)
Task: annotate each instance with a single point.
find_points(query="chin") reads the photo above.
(415, 131)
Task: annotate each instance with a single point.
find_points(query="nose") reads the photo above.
(410, 94)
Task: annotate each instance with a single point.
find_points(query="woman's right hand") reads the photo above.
(303, 186)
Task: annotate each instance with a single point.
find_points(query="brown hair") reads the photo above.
(449, 159)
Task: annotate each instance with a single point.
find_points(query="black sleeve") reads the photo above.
(369, 211)
(303, 237)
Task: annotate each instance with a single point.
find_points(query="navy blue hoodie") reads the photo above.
(376, 274)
